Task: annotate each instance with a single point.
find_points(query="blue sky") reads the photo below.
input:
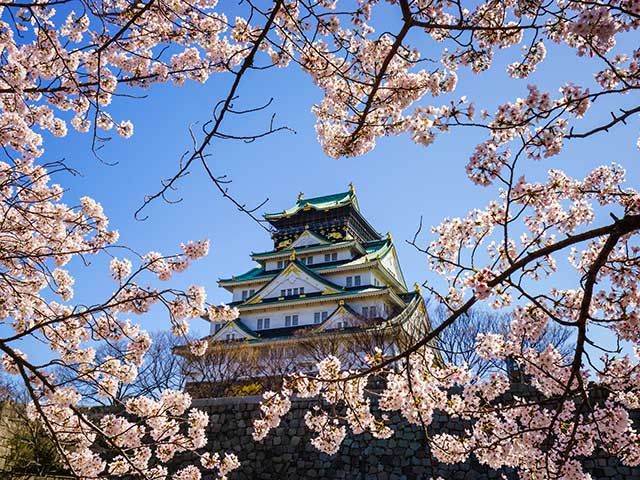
(397, 183)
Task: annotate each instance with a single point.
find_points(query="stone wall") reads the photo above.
(287, 454)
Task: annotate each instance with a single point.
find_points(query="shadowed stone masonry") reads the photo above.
(286, 453)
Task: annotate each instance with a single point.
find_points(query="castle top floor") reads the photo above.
(336, 217)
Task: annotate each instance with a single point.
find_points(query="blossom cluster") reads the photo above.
(40, 236)
(555, 415)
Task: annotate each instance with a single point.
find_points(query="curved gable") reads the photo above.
(307, 239)
(342, 317)
(295, 275)
(233, 330)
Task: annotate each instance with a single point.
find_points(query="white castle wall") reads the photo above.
(319, 257)
(306, 313)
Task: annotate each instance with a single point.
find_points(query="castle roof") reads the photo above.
(372, 251)
(328, 218)
(325, 202)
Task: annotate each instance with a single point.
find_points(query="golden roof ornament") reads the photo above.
(292, 257)
(417, 287)
(352, 189)
(300, 196)
(389, 237)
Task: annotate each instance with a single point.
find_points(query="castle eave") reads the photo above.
(285, 253)
(297, 334)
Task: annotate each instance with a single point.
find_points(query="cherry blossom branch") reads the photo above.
(198, 152)
(605, 128)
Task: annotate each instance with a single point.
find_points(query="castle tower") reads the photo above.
(329, 274)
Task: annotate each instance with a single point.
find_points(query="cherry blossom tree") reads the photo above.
(65, 61)
(40, 236)
(160, 370)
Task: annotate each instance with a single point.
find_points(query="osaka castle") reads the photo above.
(331, 284)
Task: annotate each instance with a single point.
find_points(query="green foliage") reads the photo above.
(30, 449)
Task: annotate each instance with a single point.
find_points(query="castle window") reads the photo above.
(218, 327)
(294, 320)
(295, 291)
(349, 281)
(365, 312)
(287, 320)
(356, 280)
(289, 292)
(280, 264)
(259, 324)
(301, 290)
(291, 320)
(331, 257)
(283, 292)
(251, 292)
(373, 311)
(320, 317)
(267, 322)
(245, 294)
(309, 260)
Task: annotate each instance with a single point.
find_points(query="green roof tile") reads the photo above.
(254, 273)
(319, 203)
(301, 250)
(240, 324)
(378, 249)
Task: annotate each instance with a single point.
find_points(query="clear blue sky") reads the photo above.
(396, 183)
